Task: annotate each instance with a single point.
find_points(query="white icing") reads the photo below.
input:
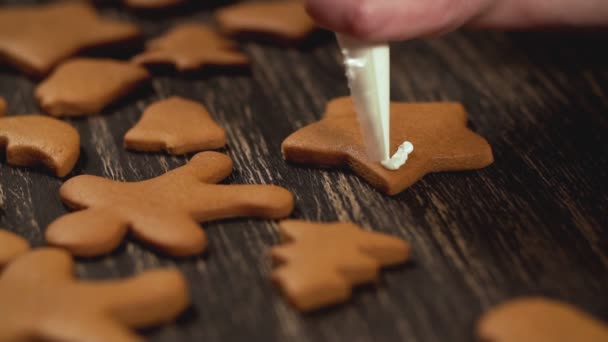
(400, 157)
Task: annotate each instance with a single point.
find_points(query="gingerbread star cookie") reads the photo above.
(84, 86)
(36, 38)
(320, 263)
(539, 320)
(437, 130)
(177, 126)
(35, 139)
(285, 20)
(42, 301)
(11, 246)
(164, 212)
(191, 47)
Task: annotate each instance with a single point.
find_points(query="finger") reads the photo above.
(333, 15)
(520, 14)
(386, 20)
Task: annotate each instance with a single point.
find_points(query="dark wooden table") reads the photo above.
(534, 223)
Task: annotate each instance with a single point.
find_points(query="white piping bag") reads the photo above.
(368, 72)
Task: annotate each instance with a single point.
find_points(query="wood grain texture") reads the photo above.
(533, 223)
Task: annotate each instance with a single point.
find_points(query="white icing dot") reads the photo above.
(400, 157)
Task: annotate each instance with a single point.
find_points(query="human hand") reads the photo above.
(382, 20)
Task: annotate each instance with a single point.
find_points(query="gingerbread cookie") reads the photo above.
(163, 212)
(320, 263)
(36, 38)
(539, 320)
(37, 139)
(177, 126)
(190, 47)
(11, 246)
(42, 301)
(152, 4)
(3, 106)
(84, 86)
(286, 20)
(437, 130)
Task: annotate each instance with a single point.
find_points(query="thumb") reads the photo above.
(386, 20)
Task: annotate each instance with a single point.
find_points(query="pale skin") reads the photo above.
(394, 20)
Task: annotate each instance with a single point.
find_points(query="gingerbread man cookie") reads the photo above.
(37, 139)
(437, 130)
(191, 47)
(539, 320)
(320, 263)
(163, 212)
(177, 126)
(42, 301)
(84, 86)
(36, 38)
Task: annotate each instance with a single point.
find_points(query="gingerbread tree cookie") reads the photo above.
(163, 212)
(37, 139)
(538, 320)
(191, 47)
(41, 301)
(437, 130)
(11, 246)
(177, 126)
(36, 38)
(320, 263)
